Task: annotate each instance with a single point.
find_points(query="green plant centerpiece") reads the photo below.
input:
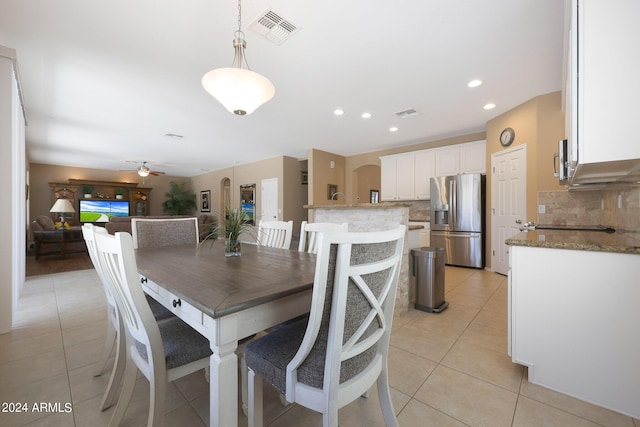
(118, 192)
(180, 200)
(233, 224)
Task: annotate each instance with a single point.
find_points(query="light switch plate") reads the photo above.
(541, 208)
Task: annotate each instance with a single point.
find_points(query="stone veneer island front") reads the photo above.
(371, 217)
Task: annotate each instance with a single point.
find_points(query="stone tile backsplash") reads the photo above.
(419, 210)
(616, 208)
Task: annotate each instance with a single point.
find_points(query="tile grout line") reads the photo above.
(64, 350)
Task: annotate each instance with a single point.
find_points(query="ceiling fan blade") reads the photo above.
(156, 173)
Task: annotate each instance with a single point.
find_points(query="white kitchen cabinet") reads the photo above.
(602, 104)
(407, 176)
(397, 177)
(462, 158)
(573, 318)
(473, 157)
(447, 161)
(425, 168)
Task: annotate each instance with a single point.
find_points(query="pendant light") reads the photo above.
(238, 89)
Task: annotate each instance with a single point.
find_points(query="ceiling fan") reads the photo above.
(143, 170)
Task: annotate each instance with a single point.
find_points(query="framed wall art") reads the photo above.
(205, 201)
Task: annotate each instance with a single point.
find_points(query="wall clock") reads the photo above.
(507, 136)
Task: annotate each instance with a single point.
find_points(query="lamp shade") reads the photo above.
(239, 90)
(62, 206)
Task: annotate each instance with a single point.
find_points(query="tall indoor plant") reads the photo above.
(180, 200)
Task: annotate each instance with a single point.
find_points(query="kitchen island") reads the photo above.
(573, 314)
(372, 217)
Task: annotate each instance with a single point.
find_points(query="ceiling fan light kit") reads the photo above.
(240, 90)
(143, 170)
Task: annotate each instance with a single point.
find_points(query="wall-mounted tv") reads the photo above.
(102, 210)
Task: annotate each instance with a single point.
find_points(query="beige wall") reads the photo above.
(538, 123)
(41, 175)
(292, 194)
(321, 175)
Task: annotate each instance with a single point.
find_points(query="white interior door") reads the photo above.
(269, 199)
(509, 202)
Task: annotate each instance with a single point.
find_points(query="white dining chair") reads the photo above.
(163, 351)
(334, 357)
(159, 232)
(309, 234)
(275, 234)
(115, 328)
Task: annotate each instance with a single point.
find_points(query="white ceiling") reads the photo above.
(103, 82)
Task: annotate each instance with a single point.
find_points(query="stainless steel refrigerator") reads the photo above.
(458, 218)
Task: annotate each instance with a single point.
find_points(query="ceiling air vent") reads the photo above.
(272, 26)
(404, 114)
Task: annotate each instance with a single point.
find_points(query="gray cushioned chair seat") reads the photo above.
(182, 344)
(269, 357)
(159, 311)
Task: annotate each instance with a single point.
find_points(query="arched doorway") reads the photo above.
(225, 194)
(365, 179)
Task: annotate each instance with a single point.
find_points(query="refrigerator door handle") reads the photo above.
(453, 202)
(457, 234)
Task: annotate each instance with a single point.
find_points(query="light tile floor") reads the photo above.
(448, 369)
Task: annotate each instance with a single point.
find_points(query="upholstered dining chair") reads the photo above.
(309, 234)
(333, 358)
(115, 329)
(154, 233)
(275, 234)
(163, 351)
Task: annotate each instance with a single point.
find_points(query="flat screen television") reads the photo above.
(102, 210)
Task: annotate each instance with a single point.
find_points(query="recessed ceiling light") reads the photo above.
(489, 106)
(393, 129)
(366, 115)
(474, 83)
(338, 112)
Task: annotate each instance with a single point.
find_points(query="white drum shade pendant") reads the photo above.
(237, 88)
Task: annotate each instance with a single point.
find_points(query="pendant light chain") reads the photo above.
(240, 15)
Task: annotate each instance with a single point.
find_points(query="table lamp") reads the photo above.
(62, 206)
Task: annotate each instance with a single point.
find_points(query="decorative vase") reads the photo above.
(233, 248)
(119, 196)
(87, 195)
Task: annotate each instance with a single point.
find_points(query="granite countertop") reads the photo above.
(382, 205)
(621, 241)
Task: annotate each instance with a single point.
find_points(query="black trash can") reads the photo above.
(427, 278)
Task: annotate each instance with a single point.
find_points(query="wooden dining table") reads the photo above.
(227, 299)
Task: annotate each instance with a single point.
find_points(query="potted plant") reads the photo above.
(231, 226)
(180, 200)
(86, 190)
(118, 193)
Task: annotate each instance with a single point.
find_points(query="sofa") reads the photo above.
(48, 240)
(206, 223)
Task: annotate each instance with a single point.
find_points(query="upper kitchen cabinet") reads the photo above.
(462, 158)
(407, 176)
(601, 90)
(397, 177)
(425, 168)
